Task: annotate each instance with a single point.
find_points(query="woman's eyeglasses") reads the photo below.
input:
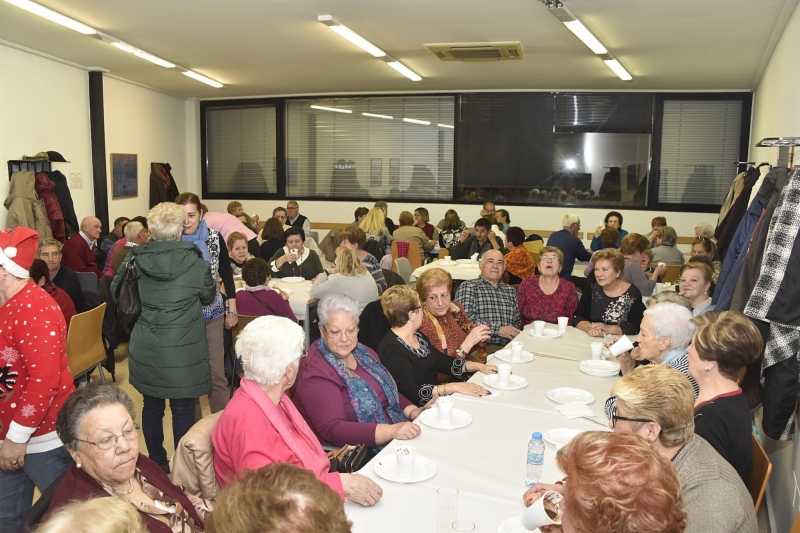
(350, 333)
(106, 443)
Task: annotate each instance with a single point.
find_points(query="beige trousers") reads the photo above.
(219, 395)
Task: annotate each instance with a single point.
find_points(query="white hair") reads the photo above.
(705, 229)
(673, 321)
(132, 229)
(336, 303)
(165, 221)
(268, 346)
(570, 219)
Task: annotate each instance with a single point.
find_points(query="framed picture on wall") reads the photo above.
(124, 175)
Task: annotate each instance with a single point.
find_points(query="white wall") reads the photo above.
(44, 105)
(776, 113)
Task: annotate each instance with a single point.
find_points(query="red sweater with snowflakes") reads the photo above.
(34, 378)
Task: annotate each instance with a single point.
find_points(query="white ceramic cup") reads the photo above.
(538, 327)
(562, 323)
(622, 345)
(597, 350)
(406, 455)
(516, 350)
(444, 405)
(503, 374)
(536, 515)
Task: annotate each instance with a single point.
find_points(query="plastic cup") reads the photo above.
(622, 345)
(445, 406)
(597, 350)
(546, 511)
(503, 374)
(538, 327)
(516, 350)
(406, 455)
(446, 509)
(463, 526)
(563, 321)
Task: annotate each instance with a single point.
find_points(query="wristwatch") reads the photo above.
(460, 351)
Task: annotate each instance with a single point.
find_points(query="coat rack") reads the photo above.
(785, 146)
(27, 165)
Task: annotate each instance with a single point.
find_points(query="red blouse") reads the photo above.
(534, 304)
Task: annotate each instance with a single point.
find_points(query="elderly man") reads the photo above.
(657, 403)
(483, 241)
(135, 235)
(487, 300)
(704, 230)
(570, 245)
(63, 276)
(78, 251)
(296, 219)
(109, 240)
(488, 209)
(279, 213)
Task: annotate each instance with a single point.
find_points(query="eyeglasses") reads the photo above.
(614, 417)
(106, 443)
(350, 333)
(549, 259)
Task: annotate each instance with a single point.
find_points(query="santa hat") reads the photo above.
(17, 250)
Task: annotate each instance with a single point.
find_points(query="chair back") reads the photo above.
(533, 246)
(240, 325)
(762, 468)
(392, 278)
(88, 281)
(403, 268)
(673, 272)
(796, 524)
(311, 323)
(409, 250)
(85, 347)
(192, 465)
(443, 252)
(373, 325)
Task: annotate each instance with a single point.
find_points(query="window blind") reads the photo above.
(603, 113)
(699, 144)
(241, 149)
(377, 147)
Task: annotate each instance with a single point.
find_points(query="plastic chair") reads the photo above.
(403, 268)
(87, 280)
(762, 468)
(85, 347)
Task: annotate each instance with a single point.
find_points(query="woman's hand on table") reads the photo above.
(412, 412)
(361, 490)
(468, 389)
(596, 329)
(12, 455)
(405, 430)
(481, 367)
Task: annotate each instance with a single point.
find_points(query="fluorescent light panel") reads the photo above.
(323, 108)
(51, 15)
(404, 70)
(377, 116)
(580, 31)
(618, 69)
(153, 59)
(415, 121)
(350, 35)
(446, 126)
(203, 79)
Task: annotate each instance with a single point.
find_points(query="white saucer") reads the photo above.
(386, 467)
(599, 367)
(463, 261)
(560, 437)
(514, 525)
(546, 334)
(505, 355)
(569, 395)
(292, 279)
(460, 419)
(514, 382)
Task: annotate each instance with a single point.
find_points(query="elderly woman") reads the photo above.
(422, 221)
(407, 232)
(669, 296)
(609, 306)
(261, 425)
(613, 220)
(656, 402)
(259, 299)
(349, 277)
(704, 231)
(452, 226)
(666, 252)
(97, 426)
(238, 254)
(374, 225)
(705, 247)
(411, 358)
(547, 296)
(635, 247)
(695, 285)
(355, 239)
(294, 259)
(725, 343)
(609, 240)
(444, 322)
(34, 380)
(41, 276)
(519, 263)
(221, 311)
(665, 333)
(343, 391)
(169, 358)
(615, 483)
(272, 238)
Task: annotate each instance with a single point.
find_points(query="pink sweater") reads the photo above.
(253, 432)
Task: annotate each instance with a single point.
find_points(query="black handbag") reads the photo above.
(347, 461)
(129, 305)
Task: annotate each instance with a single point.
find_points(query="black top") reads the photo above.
(390, 225)
(269, 247)
(67, 280)
(625, 311)
(725, 423)
(414, 370)
(464, 250)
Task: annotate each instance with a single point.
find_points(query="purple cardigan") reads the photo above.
(247, 304)
(321, 397)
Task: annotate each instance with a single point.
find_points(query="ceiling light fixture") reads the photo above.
(377, 116)
(51, 15)
(586, 37)
(350, 35)
(202, 79)
(402, 69)
(415, 121)
(446, 126)
(323, 108)
(618, 69)
(153, 59)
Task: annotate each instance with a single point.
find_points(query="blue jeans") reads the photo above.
(153, 426)
(17, 486)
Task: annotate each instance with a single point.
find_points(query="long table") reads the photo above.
(298, 297)
(459, 271)
(486, 460)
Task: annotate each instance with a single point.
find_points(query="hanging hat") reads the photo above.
(17, 250)
(56, 157)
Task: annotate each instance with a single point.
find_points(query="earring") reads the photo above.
(706, 368)
(78, 463)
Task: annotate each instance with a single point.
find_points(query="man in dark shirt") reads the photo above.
(571, 246)
(480, 243)
(115, 235)
(64, 277)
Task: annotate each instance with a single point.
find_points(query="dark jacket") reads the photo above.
(169, 352)
(572, 248)
(65, 202)
(45, 189)
(162, 185)
(464, 250)
(67, 280)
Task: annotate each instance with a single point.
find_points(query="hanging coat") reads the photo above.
(162, 185)
(24, 206)
(44, 188)
(64, 197)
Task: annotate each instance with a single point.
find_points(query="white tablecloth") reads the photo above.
(299, 296)
(458, 271)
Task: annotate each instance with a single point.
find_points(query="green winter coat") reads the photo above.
(168, 348)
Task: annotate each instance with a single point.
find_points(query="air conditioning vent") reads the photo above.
(477, 51)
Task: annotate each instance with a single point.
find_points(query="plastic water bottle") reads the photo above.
(535, 460)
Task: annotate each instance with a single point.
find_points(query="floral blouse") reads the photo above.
(625, 310)
(534, 304)
(519, 263)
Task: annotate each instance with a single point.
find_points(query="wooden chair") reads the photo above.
(311, 323)
(762, 468)
(85, 347)
(673, 272)
(444, 252)
(796, 524)
(240, 325)
(413, 255)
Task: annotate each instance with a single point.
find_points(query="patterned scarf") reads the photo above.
(199, 238)
(364, 400)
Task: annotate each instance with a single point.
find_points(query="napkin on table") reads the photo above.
(574, 410)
